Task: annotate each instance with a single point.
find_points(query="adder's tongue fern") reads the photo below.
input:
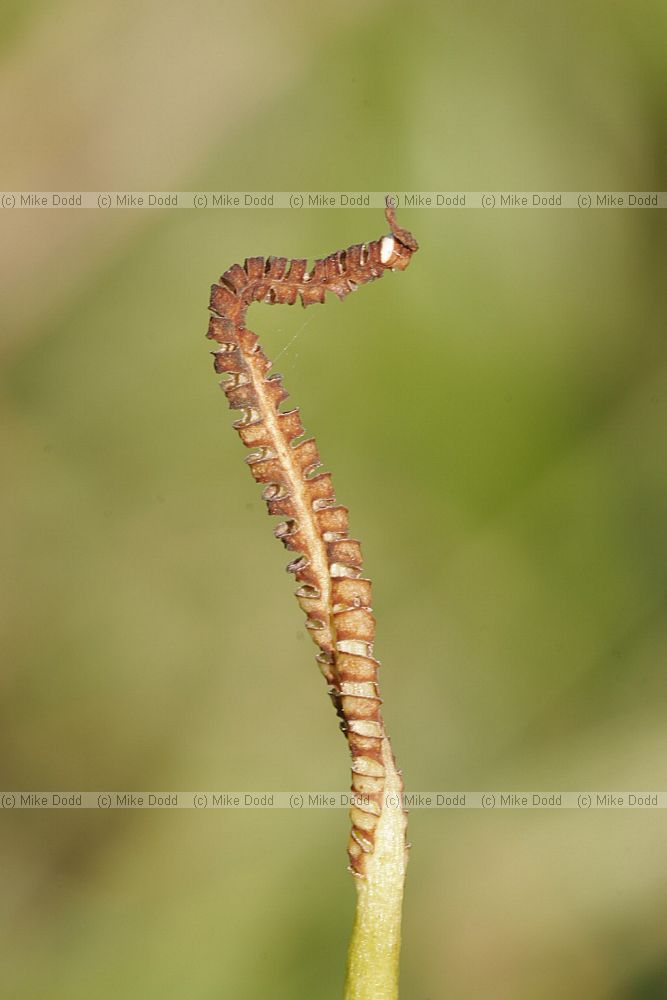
(333, 591)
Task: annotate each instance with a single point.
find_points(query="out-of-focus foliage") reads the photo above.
(501, 444)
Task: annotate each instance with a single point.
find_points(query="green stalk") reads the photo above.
(373, 962)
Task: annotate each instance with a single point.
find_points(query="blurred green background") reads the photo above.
(494, 418)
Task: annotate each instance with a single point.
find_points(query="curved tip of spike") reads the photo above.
(403, 236)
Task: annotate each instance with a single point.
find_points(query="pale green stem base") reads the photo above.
(372, 972)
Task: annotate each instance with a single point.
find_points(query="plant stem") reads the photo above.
(372, 972)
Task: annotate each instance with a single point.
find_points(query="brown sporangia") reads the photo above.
(333, 592)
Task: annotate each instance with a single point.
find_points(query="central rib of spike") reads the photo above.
(314, 548)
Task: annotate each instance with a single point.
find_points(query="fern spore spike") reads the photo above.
(333, 591)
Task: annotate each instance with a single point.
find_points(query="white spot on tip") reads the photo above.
(386, 248)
